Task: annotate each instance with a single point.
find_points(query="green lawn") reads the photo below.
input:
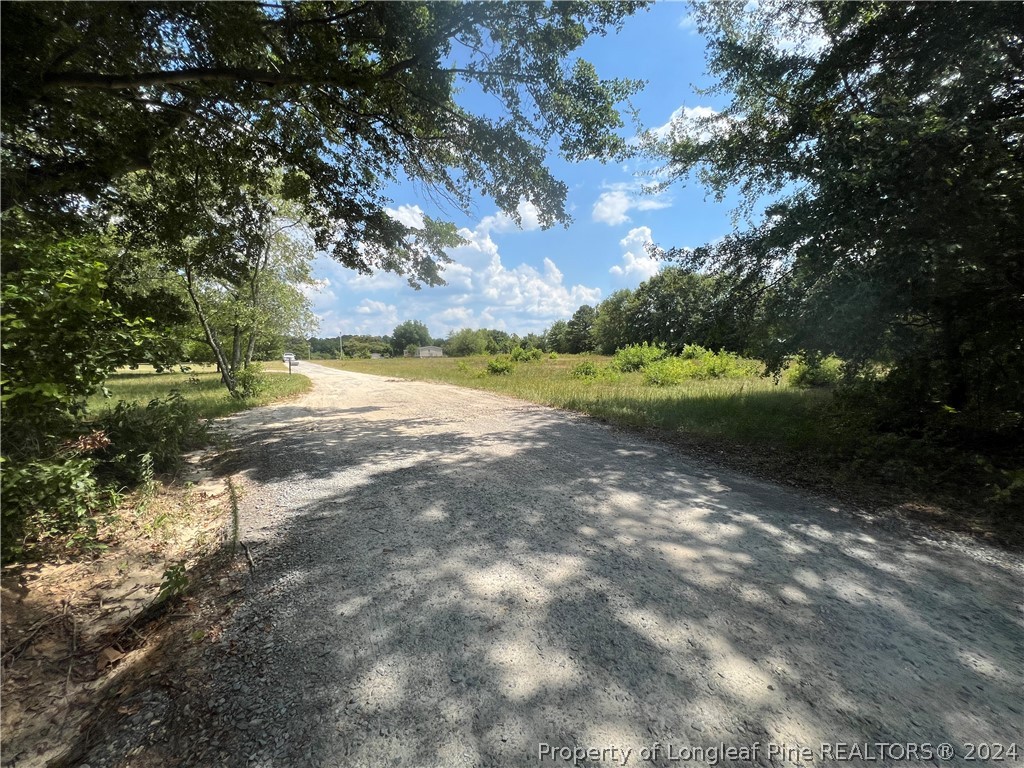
(201, 386)
(752, 410)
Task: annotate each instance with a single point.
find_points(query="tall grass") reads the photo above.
(201, 387)
(754, 409)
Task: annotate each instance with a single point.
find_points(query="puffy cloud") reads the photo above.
(410, 215)
(613, 205)
(502, 222)
(683, 121)
(637, 265)
(611, 208)
(371, 307)
(482, 291)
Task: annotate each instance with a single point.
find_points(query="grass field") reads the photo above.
(201, 386)
(751, 410)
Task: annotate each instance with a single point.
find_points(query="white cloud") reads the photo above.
(410, 215)
(481, 290)
(637, 264)
(688, 23)
(613, 205)
(684, 121)
(502, 222)
(371, 307)
(611, 208)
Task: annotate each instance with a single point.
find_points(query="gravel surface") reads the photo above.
(446, 577)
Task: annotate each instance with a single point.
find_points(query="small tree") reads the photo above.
(466, 342)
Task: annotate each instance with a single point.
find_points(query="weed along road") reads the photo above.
(445, 577)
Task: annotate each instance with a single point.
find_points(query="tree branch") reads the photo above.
(176, 77)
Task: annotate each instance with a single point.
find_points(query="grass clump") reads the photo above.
(585, 370)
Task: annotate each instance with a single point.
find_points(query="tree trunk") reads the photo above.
(236, 349)
(226, 373)
(254, 297)
(250, 348)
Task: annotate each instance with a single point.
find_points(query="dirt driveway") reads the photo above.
(450, 578)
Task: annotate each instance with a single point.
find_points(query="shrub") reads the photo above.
(500, 366)
(667, 371)
(148, 438)
(636, 357)
(50, 498)
(700, 363)
(585, 370)
(251, 381)
(553, 356)
(521, 355)
(804, 371)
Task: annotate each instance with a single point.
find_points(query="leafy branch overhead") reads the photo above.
(343, 97)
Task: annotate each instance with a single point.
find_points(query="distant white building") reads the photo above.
(429, 352)
(375, 355)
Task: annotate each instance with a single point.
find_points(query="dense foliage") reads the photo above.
(339, 97)
(888, 137)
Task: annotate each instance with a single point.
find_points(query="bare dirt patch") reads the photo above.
(75, 628)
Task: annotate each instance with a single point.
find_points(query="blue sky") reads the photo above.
(522, 280)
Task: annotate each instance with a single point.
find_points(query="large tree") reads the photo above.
(579, 332)
(411, 333)
(344, 97)
(612, 329)
(888, 140)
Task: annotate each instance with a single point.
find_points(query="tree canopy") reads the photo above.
(342, 97)
(887, 140)
(411, 333)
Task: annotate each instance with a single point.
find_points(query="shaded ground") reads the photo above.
(73, 628)
(444, 577)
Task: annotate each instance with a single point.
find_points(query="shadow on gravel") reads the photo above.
(422, 601)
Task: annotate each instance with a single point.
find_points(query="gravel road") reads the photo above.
(446, 577)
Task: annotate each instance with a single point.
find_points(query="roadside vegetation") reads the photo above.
(134, 434)
(199, 385)
(801, 426)
(749, 408)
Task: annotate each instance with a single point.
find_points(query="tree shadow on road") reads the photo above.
(429, 597)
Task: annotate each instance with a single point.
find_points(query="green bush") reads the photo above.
(636, 357)
(251, 381)
(804, 371)
(500, 366)
(694, 352)
(149, 438)
(585, 370)
(47, 499)
(522, 355)
(667, 371)
(699, 363)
